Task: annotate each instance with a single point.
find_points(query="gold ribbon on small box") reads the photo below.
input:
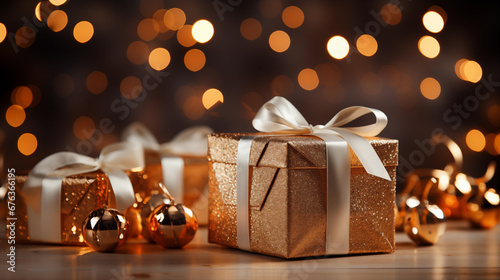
(279, 116)
(189, 142)
(42, 189)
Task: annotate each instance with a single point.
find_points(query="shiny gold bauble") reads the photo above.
(133, 217)
(172, 225)
(483, 209)
(425, 223)
(148, 205)
(105, 229)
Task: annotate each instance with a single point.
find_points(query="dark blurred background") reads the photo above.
(51, 78)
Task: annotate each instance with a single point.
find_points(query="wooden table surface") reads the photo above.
(462, 253)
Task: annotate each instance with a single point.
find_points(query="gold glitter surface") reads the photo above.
(288, 200)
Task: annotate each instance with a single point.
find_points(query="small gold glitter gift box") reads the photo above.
(287, 196)
(80, 195)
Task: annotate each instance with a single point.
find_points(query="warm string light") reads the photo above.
(475, 140)
(83, 127)
(3, 32)
(202, 31)
(251, 29)
(429, 46)
(430, 88)
(279, 41)
(211, 97)
(338, 47)
(57, 20)
(83, 31)
(97, 82)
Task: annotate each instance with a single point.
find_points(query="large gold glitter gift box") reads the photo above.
(287, 196)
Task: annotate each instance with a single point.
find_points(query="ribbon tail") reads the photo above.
(173, 176)
(122, 188)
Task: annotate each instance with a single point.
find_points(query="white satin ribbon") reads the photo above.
(189, 142)
(279, 116)
(42, 189)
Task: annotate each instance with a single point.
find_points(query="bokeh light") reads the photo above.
(15, 115)
(433, 22)
(202, 31)
(194, 60)
(83, 127)
(3, 32)
(131, 87)
(148, 29)
(36, 95)
(97, 82)
(43, 9)
(279, 41)
(338, 47)
(57, 2)
(371, 83)
(174, 18)
(429, 46)
(138, 52)
(193, 108)
(64, 84)
(251, 29)
(211, 97)
(270, 8)
(159, 59)
(440, 11)
(292, 16)
(308, 79)
(494, 115)
(25, 37)
(459, 68)
(282, 86)
(185, 36)
(83, 31)
(472, 71)
(497, 143)
(475, 140)
(57, 20)
(490, 144)
(22, 96)
(430, 88)
(27, 144)
(366, 45)
(391, 14)
(159, 16)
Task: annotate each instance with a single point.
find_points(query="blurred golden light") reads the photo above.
(492, 197)
(497, 143)
(433, 22)
(131, 87)
(462, 183)
(282, 86)
(490, 144)
(43, 9)
(3, 32)
(279, 41)
(148, 29)
(440, 11)
(57, 20)
(193, 108)
(494, 115)
(270, 8)
(27, 144)
(338, 47)
(83, 127)
(15, 115)
(459, 68)
(472, 71)
(158, 16)
(159, 59)
(211, 97)
(22, 96)
(185, 36)
(475, 140)
(367, 45)
(36, 95)
(83, 31)
(428, 46)
(64, 84)
(292, 16)
(25, 37)
(371, 83)
(194, 60)
(174, 18)
(97, 82)
(251, 29)
(138, 52)
(202, 31)
(430, 88)
(391, 14)
(57, 2)
(328, 74)
(308, 79)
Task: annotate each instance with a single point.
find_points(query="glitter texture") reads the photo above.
(288, 196)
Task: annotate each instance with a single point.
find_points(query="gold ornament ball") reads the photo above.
(483, 209)
(173, 225)
(148, 205)
(133, 217)
(105, 229)
(425, 223)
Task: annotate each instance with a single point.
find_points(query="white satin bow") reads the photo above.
(42, 189)
(279, 116)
